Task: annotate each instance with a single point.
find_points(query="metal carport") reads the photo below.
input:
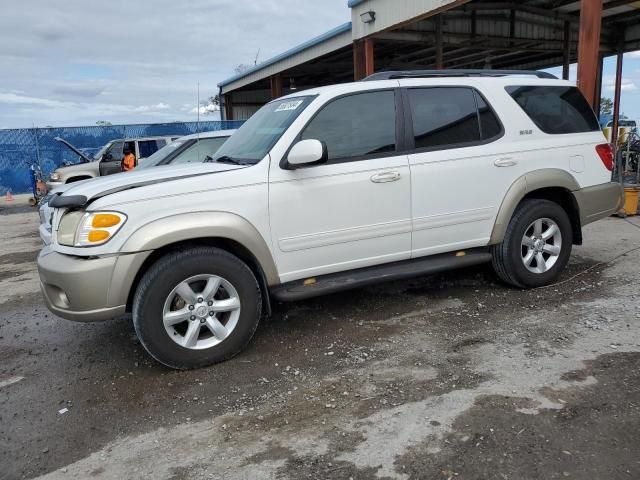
(436, 34)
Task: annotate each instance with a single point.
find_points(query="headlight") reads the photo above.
(55, 177)
(89, 229)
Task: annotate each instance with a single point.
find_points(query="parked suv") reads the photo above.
(405, 174)
(107, 160)
(198, 147)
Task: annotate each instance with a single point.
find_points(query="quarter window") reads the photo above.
(444, 116)
(490, 126)
(357, 125)
(556, 110)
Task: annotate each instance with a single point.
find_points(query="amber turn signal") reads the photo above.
(105, 220)
(97, 235)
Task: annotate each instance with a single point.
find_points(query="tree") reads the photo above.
(210, 105)
(103, 123)
(606, 106)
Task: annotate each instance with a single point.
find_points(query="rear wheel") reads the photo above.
(536, 246)
(196, 307)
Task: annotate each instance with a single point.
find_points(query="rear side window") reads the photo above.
(149, 147)
(446, 117)
(556, 110)
(357, 125)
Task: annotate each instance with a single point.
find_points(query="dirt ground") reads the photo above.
(453, 376)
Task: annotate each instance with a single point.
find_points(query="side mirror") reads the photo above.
(307, 153)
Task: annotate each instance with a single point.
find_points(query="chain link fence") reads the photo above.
(21, 148)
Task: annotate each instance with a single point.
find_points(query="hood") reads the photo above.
(80, 193)
(84, 158)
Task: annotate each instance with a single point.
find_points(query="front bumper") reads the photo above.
(599, 201)
(87, 289)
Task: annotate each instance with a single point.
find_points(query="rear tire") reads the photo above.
(196, 307)
(536, 246)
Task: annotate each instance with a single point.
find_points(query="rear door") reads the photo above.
(459, 177)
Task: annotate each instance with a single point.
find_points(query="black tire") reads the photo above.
(169, 271)
(507, 256)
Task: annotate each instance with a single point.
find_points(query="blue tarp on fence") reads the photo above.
(20, 148)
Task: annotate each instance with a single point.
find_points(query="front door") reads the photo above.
(111, 161)
(354, 210)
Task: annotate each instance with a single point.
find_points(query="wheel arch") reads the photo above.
(551, 184)
(78, 178)
(223, 230)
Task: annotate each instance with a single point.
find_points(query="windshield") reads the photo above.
(161, 154)
(201, 150)
(255, 138)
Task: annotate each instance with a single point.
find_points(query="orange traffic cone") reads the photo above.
(9, 196)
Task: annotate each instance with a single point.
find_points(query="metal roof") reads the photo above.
(345, 27)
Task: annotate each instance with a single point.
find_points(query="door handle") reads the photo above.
(386, 177)
(505, 162)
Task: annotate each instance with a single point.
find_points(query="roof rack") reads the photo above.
(455, 73)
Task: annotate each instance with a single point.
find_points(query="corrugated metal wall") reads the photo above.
(20, 148)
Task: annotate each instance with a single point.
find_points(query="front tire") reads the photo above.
(196, 307)
(536, 246)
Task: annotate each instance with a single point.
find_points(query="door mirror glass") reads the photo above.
(306, 153)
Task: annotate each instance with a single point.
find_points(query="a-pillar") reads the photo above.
(589, 48)
(363, 58)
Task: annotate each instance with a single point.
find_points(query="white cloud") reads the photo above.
(635, 54)
(205, 109)
(152, 108)
(64, 57)
(627, 84)
(18, 99)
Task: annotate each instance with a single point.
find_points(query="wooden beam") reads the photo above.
(589, 47)
(228, 107)
(566, 51)
(358, 60)
(439, 47)
(276, 85)
(616, 101)
(369, 57)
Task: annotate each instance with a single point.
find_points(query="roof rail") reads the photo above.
(455, 73)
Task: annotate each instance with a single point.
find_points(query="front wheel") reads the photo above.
(196, 307)
(536, 245)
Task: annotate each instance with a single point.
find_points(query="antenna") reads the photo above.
(255, 60)
(198, 108)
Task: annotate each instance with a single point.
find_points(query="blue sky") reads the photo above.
(88, 61)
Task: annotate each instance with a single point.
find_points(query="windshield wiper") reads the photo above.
(225, 159)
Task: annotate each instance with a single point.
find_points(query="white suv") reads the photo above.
(405, 174)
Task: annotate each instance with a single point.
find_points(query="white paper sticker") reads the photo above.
(292, 105)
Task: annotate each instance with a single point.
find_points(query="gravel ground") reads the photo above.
(453, 376)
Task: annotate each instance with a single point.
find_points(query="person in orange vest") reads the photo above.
(129, 161)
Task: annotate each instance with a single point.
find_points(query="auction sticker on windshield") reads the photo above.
(286, 106)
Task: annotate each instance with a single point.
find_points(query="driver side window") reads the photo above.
(114, 154)
(356, 126)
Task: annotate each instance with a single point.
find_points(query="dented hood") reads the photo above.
(84, 192)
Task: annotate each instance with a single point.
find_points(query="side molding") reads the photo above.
(189, 226)
(545, 178)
